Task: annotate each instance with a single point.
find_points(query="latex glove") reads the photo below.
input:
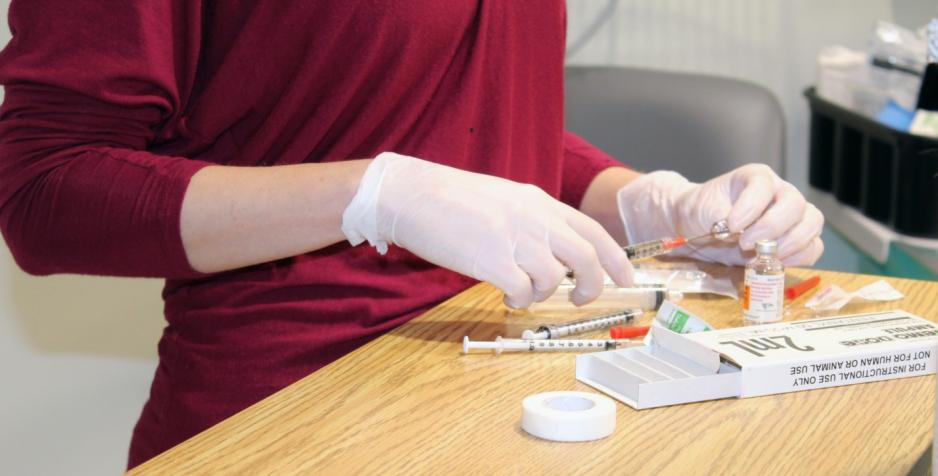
(512, 235)
(751, 198)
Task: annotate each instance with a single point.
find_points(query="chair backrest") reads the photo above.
(700, 126)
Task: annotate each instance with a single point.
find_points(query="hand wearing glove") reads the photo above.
(752, 198)
(512, 235)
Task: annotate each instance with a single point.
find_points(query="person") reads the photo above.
(241, 151)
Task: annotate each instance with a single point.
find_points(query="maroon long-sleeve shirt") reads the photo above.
(112, 106)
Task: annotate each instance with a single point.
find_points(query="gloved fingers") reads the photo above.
(580, 256)
(517, 286)
(787, 211)
(803, 233)
(807, 256)
(545, 272)
(611, 256)
(650, 205)
(701, 211)
(498, 268)
(753, 189)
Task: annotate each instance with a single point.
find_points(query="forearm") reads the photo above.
(599, 201)
(239, 216)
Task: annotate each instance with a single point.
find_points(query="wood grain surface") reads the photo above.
(410, 402)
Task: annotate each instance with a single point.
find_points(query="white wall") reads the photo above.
(76, 358)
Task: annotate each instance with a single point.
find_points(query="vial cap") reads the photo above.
(721, 230)
(766, 246)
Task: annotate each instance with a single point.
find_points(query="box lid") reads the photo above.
(771, 344)
(682, 368)
(670, 371)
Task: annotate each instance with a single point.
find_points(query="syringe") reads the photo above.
(500, 345)
(649, 249)
(554, 331)
(644, 296)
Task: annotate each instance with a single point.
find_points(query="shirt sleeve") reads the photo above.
(90, 87)
(582, 162)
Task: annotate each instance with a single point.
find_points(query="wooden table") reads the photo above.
(410, 402)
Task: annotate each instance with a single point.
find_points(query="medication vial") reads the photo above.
(764, 285)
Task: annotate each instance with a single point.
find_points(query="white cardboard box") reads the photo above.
(762, 360)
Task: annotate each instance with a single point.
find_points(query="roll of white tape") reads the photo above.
(568, 416)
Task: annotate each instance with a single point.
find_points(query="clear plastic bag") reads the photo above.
(653, 286)
(897, 58)
(686, 278)
(887, 76)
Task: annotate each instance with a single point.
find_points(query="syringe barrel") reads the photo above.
(500, 345)
(564, 345)
(650, 249)
(556, 331)
(649, 298)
